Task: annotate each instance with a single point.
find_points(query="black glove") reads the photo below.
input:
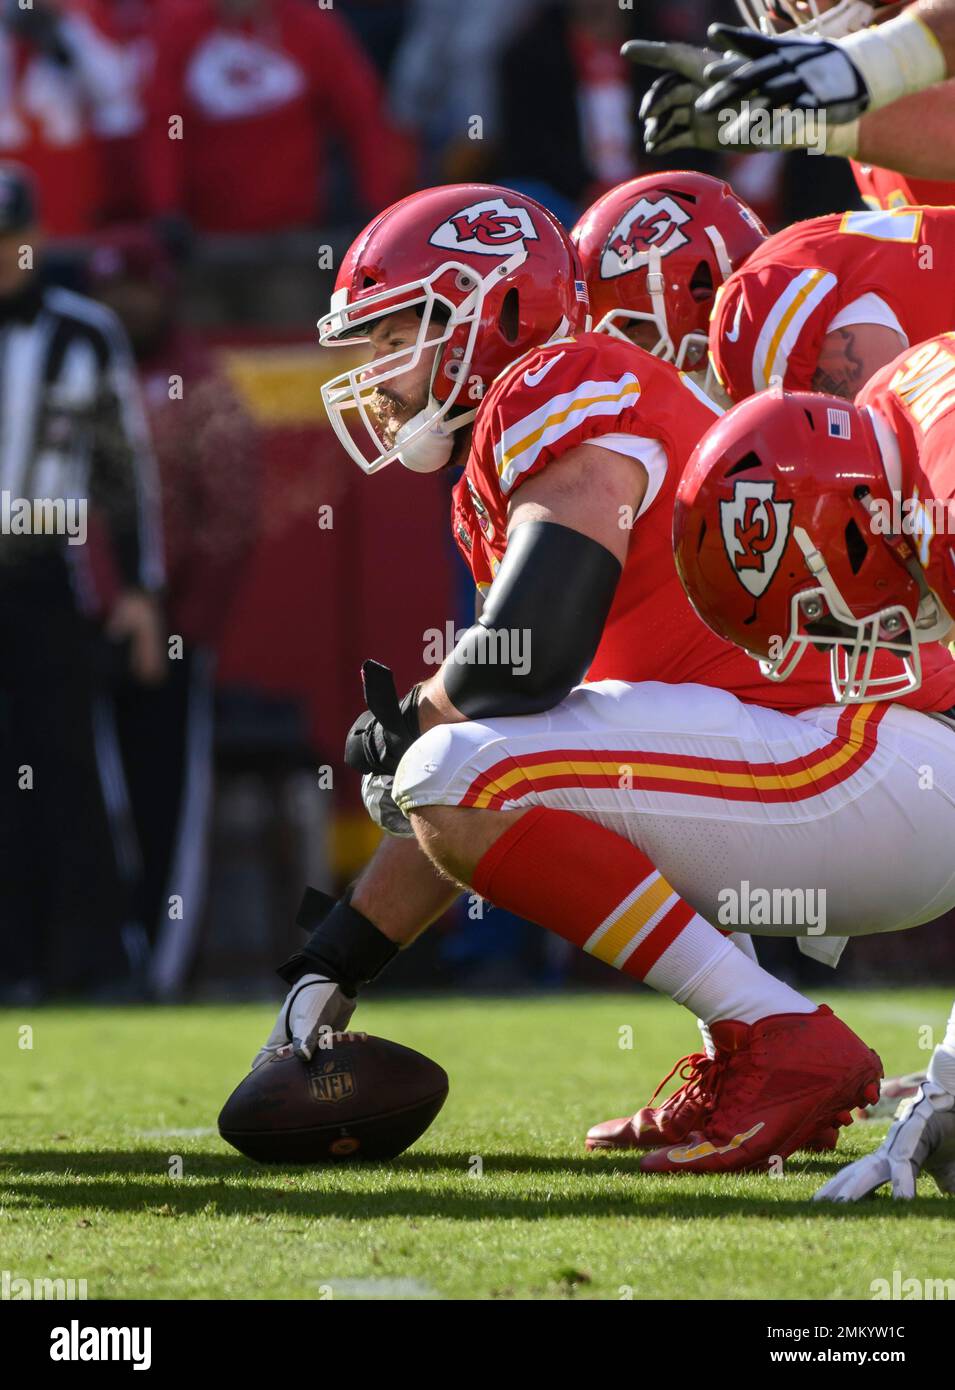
(802, 73)
(379, 738)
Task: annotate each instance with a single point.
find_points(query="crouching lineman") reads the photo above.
(449, 287)
(825, 303)
(847, 514)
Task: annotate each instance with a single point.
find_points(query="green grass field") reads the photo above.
(93, 1115)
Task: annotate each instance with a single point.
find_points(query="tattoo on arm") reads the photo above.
(851, 376)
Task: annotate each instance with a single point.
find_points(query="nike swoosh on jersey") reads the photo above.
(732, 334)
(534, 378)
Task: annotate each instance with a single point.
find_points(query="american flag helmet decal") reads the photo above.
(839, 423)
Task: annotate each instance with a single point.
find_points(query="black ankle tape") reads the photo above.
(343, 946)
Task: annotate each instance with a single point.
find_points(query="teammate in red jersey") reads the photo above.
(825, 303)
(838, 530)
(864, 496)
(655, 251)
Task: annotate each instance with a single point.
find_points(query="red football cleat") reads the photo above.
(653, 1127)
(782, 1084)
(664, 1124)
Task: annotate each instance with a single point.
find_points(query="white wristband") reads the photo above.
(895, 58)
(843, 139)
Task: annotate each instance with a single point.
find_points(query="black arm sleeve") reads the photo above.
(540, 625)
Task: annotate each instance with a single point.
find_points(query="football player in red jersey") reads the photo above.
(574, 452)
(825, 303)
(862, 499)
(655, 250)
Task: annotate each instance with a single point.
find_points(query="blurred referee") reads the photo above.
(80, 573)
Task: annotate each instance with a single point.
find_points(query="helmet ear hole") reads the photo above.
(856, 547)
(701, 283)
(509, 319)
(743, 465)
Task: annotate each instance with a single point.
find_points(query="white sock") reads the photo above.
(714, 978)
(744, 942)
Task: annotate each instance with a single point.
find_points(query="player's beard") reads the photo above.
(389, 413)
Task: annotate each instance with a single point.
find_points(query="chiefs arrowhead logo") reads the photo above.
(755, 533)
(490, 228)
(650, 222)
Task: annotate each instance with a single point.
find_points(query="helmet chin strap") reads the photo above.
(656, 286)
(720, 251)
(431, 449)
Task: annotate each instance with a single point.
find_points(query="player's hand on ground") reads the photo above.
(380, 805)
(313, 1008)
(921, 1140)
(805, 74)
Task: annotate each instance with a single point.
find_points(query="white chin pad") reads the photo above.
(430, 450)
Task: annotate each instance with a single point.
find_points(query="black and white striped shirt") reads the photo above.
(72, 425)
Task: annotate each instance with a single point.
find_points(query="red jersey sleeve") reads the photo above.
(768, 322)
(915, 394)
(770, 319)
(554, 399)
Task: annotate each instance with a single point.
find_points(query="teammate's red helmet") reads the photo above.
(656, 249)
(783, 540)
(491, 274)
(810, 18)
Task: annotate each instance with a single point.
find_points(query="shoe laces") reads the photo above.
(701, 1076)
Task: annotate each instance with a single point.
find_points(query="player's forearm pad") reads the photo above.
(540, 626)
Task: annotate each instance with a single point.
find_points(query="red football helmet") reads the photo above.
(832, 21)
(491, 274)
(783, 540)
(656, 249)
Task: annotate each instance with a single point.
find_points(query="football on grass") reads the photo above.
(358, 1098)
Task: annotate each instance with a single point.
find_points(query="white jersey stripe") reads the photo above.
(637, 940)
(521, 444)
(785, 321)
(618, 911)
